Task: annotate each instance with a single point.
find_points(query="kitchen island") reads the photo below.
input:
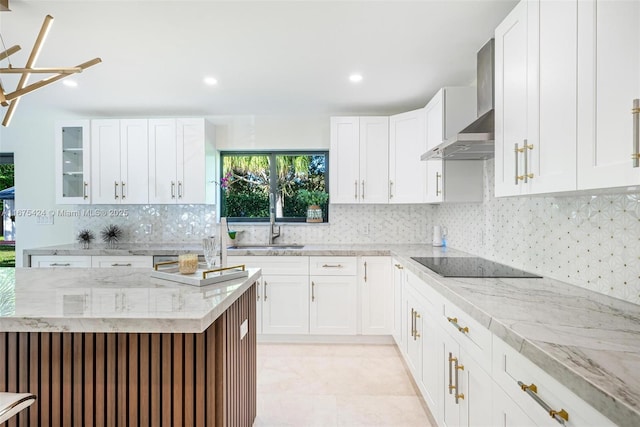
(118, 347)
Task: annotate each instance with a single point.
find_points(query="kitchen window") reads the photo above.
(249, 178)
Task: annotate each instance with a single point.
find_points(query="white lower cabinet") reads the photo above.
(73, 261)
(134, 261)
(538, 394)
(467, 392)
(95, 261)
(398, 284)
(332, 305)
(285, 306)
(282, 295)
(505, 411)
(376, 285)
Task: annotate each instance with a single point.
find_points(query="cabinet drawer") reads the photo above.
(121, 261)
(72, 261)
(274, 265)
(474, 338)
(333, 265)
(511, 367)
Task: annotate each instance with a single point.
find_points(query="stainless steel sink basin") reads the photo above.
(265, 247)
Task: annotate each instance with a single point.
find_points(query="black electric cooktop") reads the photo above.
(471, 267)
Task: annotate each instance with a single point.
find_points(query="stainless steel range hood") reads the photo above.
(475, 142)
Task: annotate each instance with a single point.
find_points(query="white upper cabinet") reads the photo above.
(609, 67)
(359, 170)
(180, 160)
(407, 173)
(73, 167)
(119, 166)
(511, 79)
(551, 150)
(567, 74)
(448, 112)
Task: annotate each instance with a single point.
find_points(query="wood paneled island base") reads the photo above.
(137, 379)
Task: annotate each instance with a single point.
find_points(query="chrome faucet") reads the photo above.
(274, 232)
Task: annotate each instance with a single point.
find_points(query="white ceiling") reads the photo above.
(269, 57)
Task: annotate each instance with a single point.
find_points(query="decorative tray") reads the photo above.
(202, 277)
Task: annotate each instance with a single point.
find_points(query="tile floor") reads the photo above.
(335, 385)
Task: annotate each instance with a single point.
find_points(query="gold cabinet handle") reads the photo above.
(121, 265)
(527, 174)
(438, 176)
(560, 416)
(331, 265)
(355, 189)
(313, 292)
(454, 322)
(413, 324)
(179, 189)
(265, 290)
(173, 190)
(458, 367)
(365, 271)
(122, 196)
(115, 189)
(363, 189)
(398, 266)
(636, 133)
(451, 386)
(390, 189)
(258, 292)
(416, 316)
(517, 150)
(85, 195)
(57, 264)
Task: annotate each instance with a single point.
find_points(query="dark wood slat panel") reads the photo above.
(44, 396)
(4, 349)
(67, 379)
(177, 388)
(101, 381)
(56, 379)
(156, 381)
(201, 378)
(12, 369)
(89, 379)
(111, 378)
(78, 379)
(133, 383)
(23, 374)
(189, 383)
(166, 379)
(144, 383)
(214, 401)
(120, 384)
(34, 376)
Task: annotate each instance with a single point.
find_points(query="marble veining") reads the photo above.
(114, 300)
(588, 342)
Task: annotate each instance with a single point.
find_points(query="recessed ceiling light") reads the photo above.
(70, 83)
(355, 78)
(211, 81)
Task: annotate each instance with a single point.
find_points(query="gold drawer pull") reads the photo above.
(454, 322)
(560, 416)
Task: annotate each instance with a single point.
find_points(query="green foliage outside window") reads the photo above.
(248, 179)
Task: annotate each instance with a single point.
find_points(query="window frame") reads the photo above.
(273, 183)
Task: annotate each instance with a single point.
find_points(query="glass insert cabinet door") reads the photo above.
(73, 162)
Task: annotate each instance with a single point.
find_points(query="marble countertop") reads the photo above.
(587, 341)
(112, 300)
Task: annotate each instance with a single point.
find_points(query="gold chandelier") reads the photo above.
(11, 99)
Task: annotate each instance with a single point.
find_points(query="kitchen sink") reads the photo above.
(258, 247)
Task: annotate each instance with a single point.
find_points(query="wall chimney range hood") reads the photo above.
(476, 141)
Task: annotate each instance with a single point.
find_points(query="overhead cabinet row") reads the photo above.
(134, 161)
(567, 75)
